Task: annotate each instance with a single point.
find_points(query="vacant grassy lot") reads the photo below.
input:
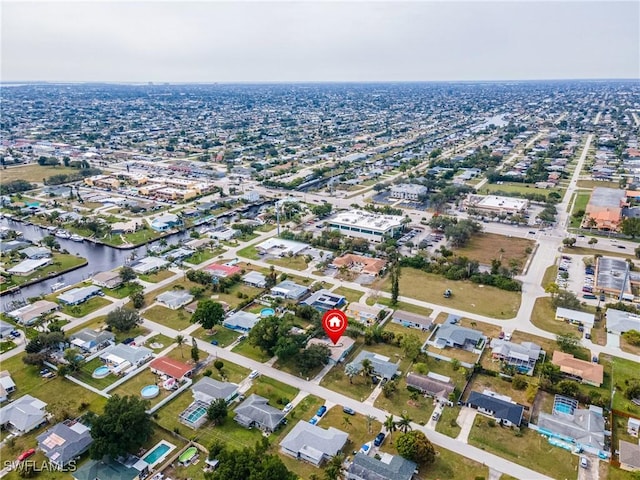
(550, 275)
(123, 290)
(203, 255)
(273, 390)
(298, 262)
(623, 371)
(516, 187)
(488, 246)
(348, 293)
(176, 319)
(407, 307)
(580, 204)
(400, 330)
(447, 423)
(157, 276)
(222, 335)
(402, 401)
(480, 299)
(34, 173)
(530, 449)
(250, 351)
(596, 183)
(85, 308)
(250, 252)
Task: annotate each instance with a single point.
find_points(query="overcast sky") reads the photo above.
(214, 41)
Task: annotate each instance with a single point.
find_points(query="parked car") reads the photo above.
(379, 439)
(214, 342)
(26, 454)
(287, 408)
(348, 411)
(321, 411)
(127, 341)
(254, 374)
(313, 421)
(584, 463)
(435, 416)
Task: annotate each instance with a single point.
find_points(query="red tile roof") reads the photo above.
(170, 367)
(218, 270)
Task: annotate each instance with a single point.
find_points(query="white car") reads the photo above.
(287, 407)
(254, 374)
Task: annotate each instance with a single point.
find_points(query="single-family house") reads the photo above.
(148, 265)
(23, 414)
(312, 443)
(208, 389)
(583, 427)
(255, 411)
(255, 279)
(165, 222)
(174, 299)
(6, 329)
(587, 372)
(28, 314)
(223, 271)
(363, 313)
(79, 295)
(381, 364)
(35, 252)
(324, 300)
(432, 384)
(27, 267)
(241, 321)
(388, 467)
(523, 356)
(107, 279)
(574, 316)
(123, 358)
(289, 290)
(507, 412)
(411, 320)
(65, 441)
(629, 456)
(111, 470)
(449, 334)
(7, 385)
(91, 341)
(338, 351)
(12, 245)
(171, 368)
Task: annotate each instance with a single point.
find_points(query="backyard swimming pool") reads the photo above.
(100, 372)
(150, 391)
(158, 453)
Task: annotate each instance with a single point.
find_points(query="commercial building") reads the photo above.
(360, 264)
(614, 277)
(605, 208)
(619, 321)
(496, 204)
(408, 191)
(370, 226)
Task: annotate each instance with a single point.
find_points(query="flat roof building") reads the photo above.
(574, 316)
(408, 191)
(367, 225)
(496, 204)
(619, 322)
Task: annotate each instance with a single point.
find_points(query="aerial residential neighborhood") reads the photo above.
(177, 255)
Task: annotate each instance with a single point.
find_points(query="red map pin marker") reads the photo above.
(334, 323)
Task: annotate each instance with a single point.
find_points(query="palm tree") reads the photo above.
(367, 368)
(390, 425)
(370, 419)
(180, 341)
(351, 370)
(346, 421)
(404, 424)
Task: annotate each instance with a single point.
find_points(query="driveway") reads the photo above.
(465, 420)
(613, 340)
(431, 424)
(590, 473)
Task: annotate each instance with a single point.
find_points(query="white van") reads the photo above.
(584, 463)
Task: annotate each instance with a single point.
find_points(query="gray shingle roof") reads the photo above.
(393, 468)
(457, 335)
(23, 413)
(314, 441)
(381, 367)
(255, 409)
(62, 443)
(501, 409)
(214, 389)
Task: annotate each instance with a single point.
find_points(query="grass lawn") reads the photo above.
(596, 183)
(298, 262)
(6, 346)
(123, 290)
(139, 237)
(480, 299)
(85, 375)
(623, 371)
(418, 408)
(516, 187)
(34, 173)
(176, 319)
(399, 329)
(273, 390)
(234, 373)
(350, 294)
(618, 474)
(223, 336)
(550, 275)
(250, 351)
(485, 247)
(267, 227)
(202, 256)
(447, 423)
(232, 297)
(580, 204)
(85, 308)
(156, 277)
(62, 262)
(592, 251)
(161, 340)
(628, 347)
(250, 252)
(544, 317)
(407, 307)
(529, 450)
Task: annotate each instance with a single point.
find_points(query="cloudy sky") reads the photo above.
(216, 41)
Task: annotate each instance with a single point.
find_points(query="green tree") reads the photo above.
(137, 299)
(127, 274)
(404, 424)
(367, 368)
(195, 351)
(73, 358)
(630, 226)
(313, 357)
(568, 342)
(217, 411)
(123, 427)
(208, 314)
(351, 370)
(123, 319)
(333, 470)
(569, 388)
(389, 388)
(566, 299)
(390, 425)
(553, 288)
(569, 242)
(415, 446)
(592, 241)
(179, 340)
(411, 345)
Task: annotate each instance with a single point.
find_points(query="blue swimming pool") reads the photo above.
(158, 453)
(150, 391)
(267, 312)
(100, 372)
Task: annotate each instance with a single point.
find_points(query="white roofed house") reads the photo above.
(363, 313)
(312, 443)
(7, 385)
(290, 290)
(523, 356)
(208, 389)
(107, 279)
(79, 295)
(255, 279)
(241, 321)
(122, 357)
(91, 340)
(175, 299)
(619, 321)
(36, 252)
(6, 329)
(28, 314)
(23, 414)
(575, 316)
(411, 320)
(27, 267)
